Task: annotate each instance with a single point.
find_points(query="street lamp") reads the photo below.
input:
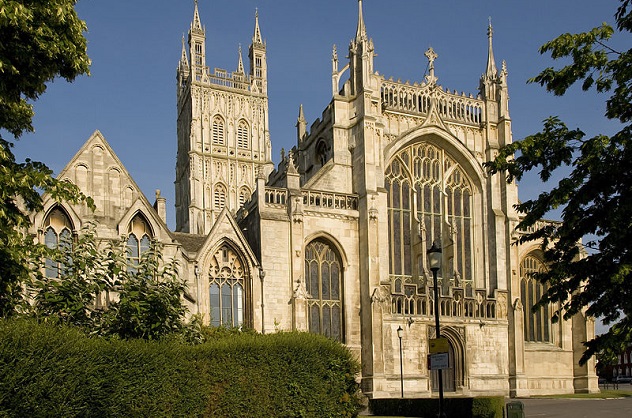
(400, 332)
(434, 261)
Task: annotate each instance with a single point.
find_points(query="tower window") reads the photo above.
(217, 130)
(219, 197)
(243, 136)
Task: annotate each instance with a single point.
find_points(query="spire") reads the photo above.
(491, 63)
(256, 37)
(361, 31)
(196, 24)
(240, 65)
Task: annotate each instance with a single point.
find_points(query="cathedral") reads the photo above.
(334, 238)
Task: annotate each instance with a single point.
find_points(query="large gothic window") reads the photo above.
(429, 199)
(217, 130)
(324, 285)
(139, 237)
(537, 325)
(57, 232)
(243, 135)
(227, 288)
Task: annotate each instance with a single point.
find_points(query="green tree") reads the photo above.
(149, 304)
(41, 40)
(85, 271)
(596, 197)
(146, 297)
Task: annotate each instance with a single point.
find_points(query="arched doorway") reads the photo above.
(454, 376)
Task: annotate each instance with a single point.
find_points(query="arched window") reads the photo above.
(57, 233)
(324, 285)
(243, 135)
(244, 195)
(322, 152)
(429, 198)
(138, 239)
(227, 289)
(537, 325)
(219, 197)
(217, 131)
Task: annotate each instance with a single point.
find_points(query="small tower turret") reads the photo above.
(183, 69)
(197, 45)
(258, 60)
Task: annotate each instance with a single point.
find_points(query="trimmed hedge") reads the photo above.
(48, 371)
(484, 407)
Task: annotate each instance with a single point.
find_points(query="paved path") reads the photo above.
(578, 408)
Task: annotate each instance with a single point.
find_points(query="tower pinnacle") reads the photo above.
(196, 24)
(361, 30)
(491, 63)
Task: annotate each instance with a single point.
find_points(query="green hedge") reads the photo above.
(484, 407)
(48, 371)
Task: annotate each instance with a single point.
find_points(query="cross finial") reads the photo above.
(432, 56)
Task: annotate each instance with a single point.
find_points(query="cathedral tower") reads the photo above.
(223, 135)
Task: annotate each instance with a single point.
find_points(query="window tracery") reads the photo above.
(227, 288)
(537, 325)
(219, 197)
(324, 285)
(139, 238)
(57, 233)
(243, 135)
(217, 131)
(429, 199)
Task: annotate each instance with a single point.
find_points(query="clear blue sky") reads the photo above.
(135, 46)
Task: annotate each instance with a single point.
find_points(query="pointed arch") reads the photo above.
(324, 282)
(218, 130)
(244, 195)
(454, 377)
(537, 324)
(229, 286)
(139, 237)
(430, 198)
(57, 227)
(243, 134)
(219, 196)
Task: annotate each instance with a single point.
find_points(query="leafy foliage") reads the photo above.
(146, 298)
(596, 196)
(48, 370)
(41, 40)
(149, 304)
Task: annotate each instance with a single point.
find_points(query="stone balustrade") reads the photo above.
(420, 98)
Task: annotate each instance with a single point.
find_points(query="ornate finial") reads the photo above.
(334, 53)
(432, 56)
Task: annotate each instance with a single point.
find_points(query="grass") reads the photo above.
(604, 394)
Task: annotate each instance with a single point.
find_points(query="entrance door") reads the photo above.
(449, 384)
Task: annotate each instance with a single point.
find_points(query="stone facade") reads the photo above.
(334, 238)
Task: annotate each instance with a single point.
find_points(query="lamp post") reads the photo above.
(400, 332)
(434, 261)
